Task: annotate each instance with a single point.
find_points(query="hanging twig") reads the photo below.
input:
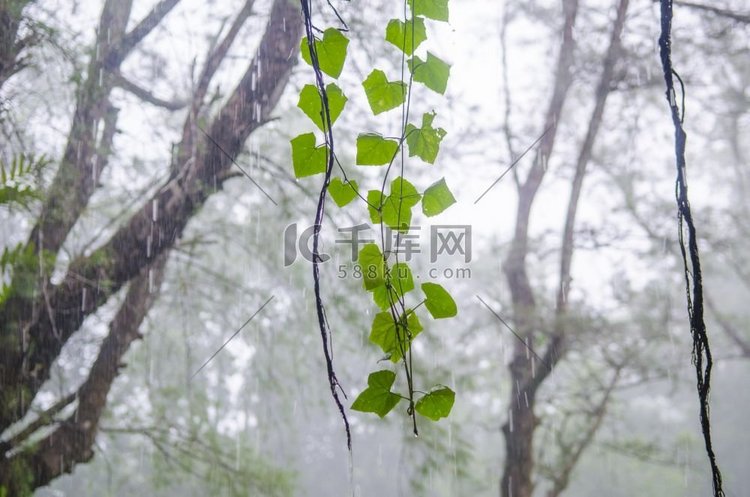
(694, 289)
(325, 331)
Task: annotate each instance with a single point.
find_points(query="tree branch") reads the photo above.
(718, 11)
(91, 280)
(555, 348)
(72, 442)
(139, 32)
(43, 419)
(145, 95)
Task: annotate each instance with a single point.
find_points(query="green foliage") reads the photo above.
(395, 336)
(23, 262)
(397, 325)
(437, 198)
(437, 10)
(17, 180)
(396, 208)
(310, 103)
(342, 193)
(374, 150)
(331, 52)
(375, 199)
(439, 302)
(307, 158)
(406, 36)
(400, 281)
(424, 142)
(373, 266)
(377, 397)
(383, 95)
(433, 72)
(437, 403)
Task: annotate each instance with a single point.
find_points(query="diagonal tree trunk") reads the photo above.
(65, 200)
(143, 242)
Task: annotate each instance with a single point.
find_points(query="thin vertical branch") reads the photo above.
(690, 253)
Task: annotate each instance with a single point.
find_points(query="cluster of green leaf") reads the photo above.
(17, 189)
(397, 325)
(17, 180)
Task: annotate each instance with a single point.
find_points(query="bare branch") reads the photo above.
(43, 419)
(145, 95)
(138, 33)
(718, 11)
(554, 350)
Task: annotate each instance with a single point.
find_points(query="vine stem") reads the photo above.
(325, 331)
(690, 254)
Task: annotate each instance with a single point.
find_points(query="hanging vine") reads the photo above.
(690, 253)
(388, 279)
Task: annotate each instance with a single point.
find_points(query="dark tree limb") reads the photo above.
(91, 280)
(139, 32)
(146, 95)
(689, 248)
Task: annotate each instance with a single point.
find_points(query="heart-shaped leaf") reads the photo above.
(306, 157)
(383, 95)
(342, 193)
(374, 150)
(310, 103)
(377, 397)
(437, 403)
(331, 51)
(407, 36)
(433, 72)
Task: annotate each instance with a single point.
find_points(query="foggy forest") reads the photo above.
(331, 248)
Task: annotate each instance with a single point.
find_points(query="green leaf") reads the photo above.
(383, 95)
(377, 397)
(406, 36)
(331, 51)
(433, 9)
(342, 193)
(437, 403)
(439, 302)
(306, 157)
(395, 340)
(399, 281)
(374, 150)
(371, 262)
(437, 198)
(424, 142)
(401, 189)
(401, 278)
(310, 103)
(397, 207)
(375, 199)
(433, 72)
